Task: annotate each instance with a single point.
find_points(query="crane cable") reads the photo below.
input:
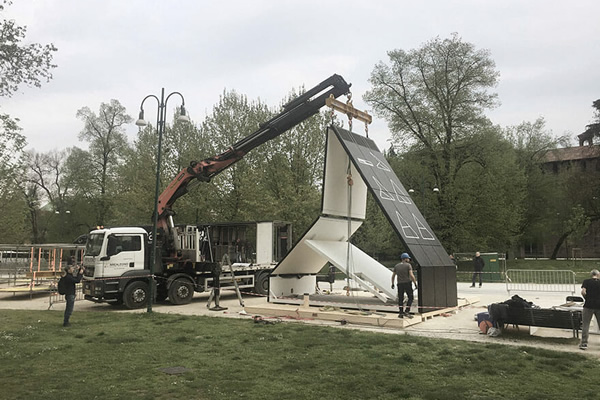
(350, 183)
(349, 260)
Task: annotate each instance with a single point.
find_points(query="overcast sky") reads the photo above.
(547, 53)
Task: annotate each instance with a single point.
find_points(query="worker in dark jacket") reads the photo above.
(478, 265)
(590, 290)
(70, 281)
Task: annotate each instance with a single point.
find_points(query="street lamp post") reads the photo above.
(160, 127)
(434, 190)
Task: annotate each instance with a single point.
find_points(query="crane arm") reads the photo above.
(294, 112)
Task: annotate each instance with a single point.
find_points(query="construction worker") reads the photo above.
(590, 290)
(403, 270)
(478, 265)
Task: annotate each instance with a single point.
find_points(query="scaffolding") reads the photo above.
(35, 268)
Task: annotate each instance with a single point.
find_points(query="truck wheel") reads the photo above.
(261, 283)
(136, 295)
(181, 291)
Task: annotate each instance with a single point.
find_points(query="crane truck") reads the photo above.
(117, 261)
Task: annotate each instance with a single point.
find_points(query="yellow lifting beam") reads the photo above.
(348, 109)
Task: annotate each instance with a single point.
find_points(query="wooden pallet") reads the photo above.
(389, 320)
(449, 310)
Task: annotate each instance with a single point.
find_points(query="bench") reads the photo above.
(539, 317)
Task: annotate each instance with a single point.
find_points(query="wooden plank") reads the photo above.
(464, 301)
(434, 313)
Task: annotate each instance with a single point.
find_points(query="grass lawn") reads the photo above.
(112, 355)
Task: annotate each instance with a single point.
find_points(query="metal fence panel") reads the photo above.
(540, 280)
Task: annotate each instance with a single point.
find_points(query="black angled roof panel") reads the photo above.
(394, 200)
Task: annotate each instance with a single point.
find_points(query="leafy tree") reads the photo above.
(435, 96)
(376, 235)
(105, 133)
(12, 144)
(576, 224)
(434, 99)
(531, 142)
(136, 178)
(13, 220)
(27, 64)
(22, 64)
(182, 143)
(486, 195)
(235, 189)
(593, 129)
(572, 208)
(290, 172)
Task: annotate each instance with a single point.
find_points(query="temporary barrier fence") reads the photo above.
(540, 281)
(9, 272)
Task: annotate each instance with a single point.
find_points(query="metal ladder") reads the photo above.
(215, 292)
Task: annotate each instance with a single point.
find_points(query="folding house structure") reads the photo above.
(354, 166)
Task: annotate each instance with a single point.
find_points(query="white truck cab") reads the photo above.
(114, 251)
(112, 257)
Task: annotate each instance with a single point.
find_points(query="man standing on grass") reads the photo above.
(590, 290)
(70, 282)
(405, 279)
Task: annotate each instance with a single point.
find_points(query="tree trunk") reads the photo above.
(559, 244)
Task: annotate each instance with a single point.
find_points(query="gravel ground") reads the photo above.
(460, 325)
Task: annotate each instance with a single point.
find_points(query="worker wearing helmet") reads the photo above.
(403, 270)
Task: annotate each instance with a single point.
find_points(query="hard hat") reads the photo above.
(404, 255)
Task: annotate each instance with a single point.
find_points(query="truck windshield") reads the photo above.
(94, 244)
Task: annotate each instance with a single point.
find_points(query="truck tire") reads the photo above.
(261, 283)
(181, 291)
(136, 295)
